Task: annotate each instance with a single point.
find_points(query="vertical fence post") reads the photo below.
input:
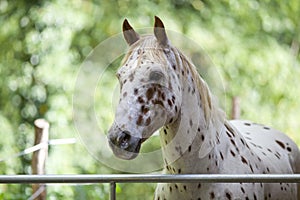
(236, 111)
(112, 190)
(39, 157)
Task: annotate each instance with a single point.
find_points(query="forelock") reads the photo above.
(148, 48)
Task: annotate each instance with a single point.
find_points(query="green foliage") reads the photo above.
(253, 44)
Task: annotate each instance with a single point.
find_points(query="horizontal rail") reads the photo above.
(151, 178)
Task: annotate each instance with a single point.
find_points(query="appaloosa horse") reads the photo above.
(161, 89)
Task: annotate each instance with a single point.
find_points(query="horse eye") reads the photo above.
(155, 75)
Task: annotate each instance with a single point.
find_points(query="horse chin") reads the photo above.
(129, 153)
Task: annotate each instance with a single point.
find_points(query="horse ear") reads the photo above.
(129, 34)
(160, 32)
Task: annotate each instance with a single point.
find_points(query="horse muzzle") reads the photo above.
(124, 145)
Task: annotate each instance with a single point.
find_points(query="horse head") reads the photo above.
(149, 90)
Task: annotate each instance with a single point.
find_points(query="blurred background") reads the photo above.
(253, 44)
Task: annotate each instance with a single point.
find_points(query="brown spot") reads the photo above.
(281, 144)
(165, 131)
(244, 160)
(173, 99)
(232, 142)
(140, 99)
(178, 149)
(135, 91)
(277, 155)
(232, 132)
(193, 91)
(168, 168)
(254, 195)
(243, 142)
(269, 150)
(251, 169)
(228, 195)
(259, 159)
(212, 195)
(232, 153)
(229, 135)
(148, 121)
(247, 124)
(144, 109)
(222, 157)
(218, 140)
(149, 93)
(163, 96)
(139, 120)
(158, 102)
(170, 103)
(202, 137)
(249, 138)
(131, 77)
(190, 148)
(243, 190)
(124, 94)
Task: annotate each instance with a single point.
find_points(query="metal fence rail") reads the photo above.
(149, 178)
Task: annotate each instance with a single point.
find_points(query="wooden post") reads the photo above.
(39, 157)
(236, 111)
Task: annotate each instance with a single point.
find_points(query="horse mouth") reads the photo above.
(126, 152)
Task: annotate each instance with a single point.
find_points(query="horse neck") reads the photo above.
(182, 140)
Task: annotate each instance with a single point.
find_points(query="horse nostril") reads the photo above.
(123, 139)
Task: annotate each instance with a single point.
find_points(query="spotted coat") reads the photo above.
(161, 89)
